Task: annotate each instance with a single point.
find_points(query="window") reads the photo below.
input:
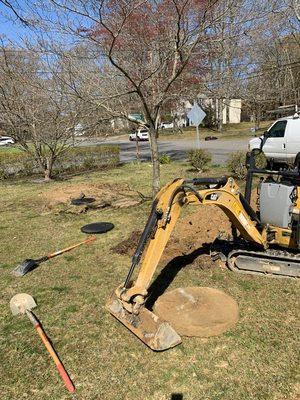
(277, 130)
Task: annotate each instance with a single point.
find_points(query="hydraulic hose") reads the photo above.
(149, 228)
(182, 189)
(207, 181)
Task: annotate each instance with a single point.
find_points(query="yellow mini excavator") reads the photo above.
(265, 242)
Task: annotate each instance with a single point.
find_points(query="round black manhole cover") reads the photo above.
(97, 227)
(84, 200)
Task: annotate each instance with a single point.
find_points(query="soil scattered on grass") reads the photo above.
(128, 245)
(105, 195)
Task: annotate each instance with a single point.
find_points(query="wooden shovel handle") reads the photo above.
(61, 369)
(57, 253)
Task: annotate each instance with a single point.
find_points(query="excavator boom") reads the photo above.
(127, 303)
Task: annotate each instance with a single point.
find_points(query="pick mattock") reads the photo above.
(23, 303)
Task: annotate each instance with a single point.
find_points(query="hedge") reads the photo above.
(199, 159)
(236, 163)
(75, 159)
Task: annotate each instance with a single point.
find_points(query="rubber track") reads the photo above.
(271, 254)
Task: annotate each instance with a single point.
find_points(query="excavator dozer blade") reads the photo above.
(148, 327)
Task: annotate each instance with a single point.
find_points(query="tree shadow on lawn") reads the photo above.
(169, 272)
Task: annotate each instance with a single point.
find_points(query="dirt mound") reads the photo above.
(254, 199)
(198, 311)
(191, 239)
(129, 245)
(62, 195)
(105, 195)
(197, 230)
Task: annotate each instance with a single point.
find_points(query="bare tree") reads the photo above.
(295, 4)
(14, 8)
(119, 58)
(151, 52)
(273, 74)
(229, 53)
(35, 107)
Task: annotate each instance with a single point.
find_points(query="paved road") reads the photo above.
(177, 149)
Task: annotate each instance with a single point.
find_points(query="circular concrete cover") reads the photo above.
(198, 311)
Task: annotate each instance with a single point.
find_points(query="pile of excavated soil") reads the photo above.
(195, 232)
(191, 238)
(254, 199)
(105, 195)
(198, 230)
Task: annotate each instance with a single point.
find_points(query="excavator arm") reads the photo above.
(127, 302)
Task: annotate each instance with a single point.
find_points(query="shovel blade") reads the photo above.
(24, 267)
(148, 327)
(21, 302)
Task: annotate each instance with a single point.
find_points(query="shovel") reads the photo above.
(30, 264)
(23, 303)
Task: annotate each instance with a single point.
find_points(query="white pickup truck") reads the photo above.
(281, 142)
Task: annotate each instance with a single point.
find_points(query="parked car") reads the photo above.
(281, 142)
(6, 140)
(79, 130)
(167, 125)
(141, 134)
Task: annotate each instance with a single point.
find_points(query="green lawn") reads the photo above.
(230, 131)
(10, 149)
(257, 360)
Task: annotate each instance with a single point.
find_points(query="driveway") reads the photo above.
(177, 149)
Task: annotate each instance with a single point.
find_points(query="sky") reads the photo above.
(10, 27)
(15, 31)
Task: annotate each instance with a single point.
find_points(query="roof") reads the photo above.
(289, 117)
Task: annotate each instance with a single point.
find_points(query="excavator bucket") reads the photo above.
(148, 327)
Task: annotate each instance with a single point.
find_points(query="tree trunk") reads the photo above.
(137, 149)
(155, 161)
(177, 126)
(227, 110)
(48, 169)
(257, 116)
(220, 114)
(257, 123)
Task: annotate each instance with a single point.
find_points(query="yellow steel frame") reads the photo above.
(226, 197)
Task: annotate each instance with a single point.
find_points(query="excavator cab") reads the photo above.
(256, 249)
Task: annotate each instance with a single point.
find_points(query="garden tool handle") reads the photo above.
(57, 253)
(61, 369)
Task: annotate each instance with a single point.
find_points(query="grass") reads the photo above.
(10, 150)
(230, 131)
(256, 360)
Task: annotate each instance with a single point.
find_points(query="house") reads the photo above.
(231, 109)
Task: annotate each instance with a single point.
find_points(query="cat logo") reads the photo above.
(213, 197)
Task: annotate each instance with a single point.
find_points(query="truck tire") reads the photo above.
(297, 161)
(270, 164)
(276, 166)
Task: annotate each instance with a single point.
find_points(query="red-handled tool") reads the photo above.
(23, 303)
(30, 264)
